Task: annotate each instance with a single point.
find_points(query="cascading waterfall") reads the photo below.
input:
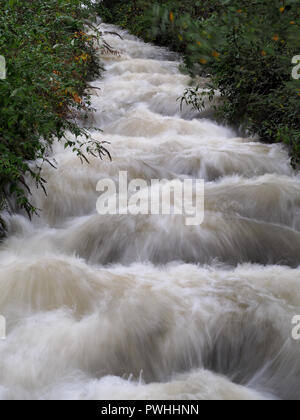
(145, 307)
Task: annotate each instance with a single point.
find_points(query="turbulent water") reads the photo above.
(145, 307)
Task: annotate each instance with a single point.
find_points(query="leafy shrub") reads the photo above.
(49, 60)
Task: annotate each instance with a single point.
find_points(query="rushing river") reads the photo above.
(145, 307)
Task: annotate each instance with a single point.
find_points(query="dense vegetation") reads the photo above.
(246, 47)
(49, 59)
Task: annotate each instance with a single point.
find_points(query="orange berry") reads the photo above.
(76, 98)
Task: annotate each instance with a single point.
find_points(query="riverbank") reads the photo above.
(49, 61)
(247, 48)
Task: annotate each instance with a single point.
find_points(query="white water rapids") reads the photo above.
(145, 307)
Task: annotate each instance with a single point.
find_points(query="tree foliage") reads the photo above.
(49, 58)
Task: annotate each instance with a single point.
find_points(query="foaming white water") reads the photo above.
(145, 307)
